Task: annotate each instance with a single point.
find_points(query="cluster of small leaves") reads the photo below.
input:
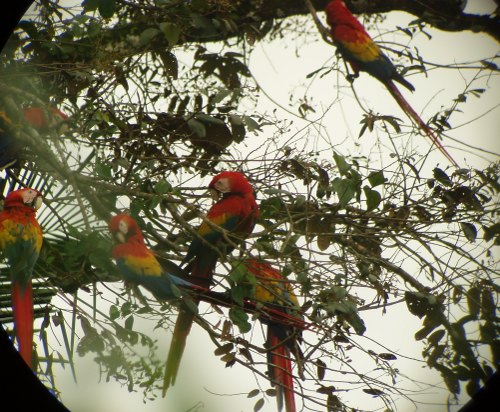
(113, 347)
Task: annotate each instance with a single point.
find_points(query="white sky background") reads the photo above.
(278, 70)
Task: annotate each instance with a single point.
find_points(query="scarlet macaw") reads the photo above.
(235, 213)
(37, 118)
(41, 119)
(363, 54)
(273, 290)
(20, 243)
(137, 263)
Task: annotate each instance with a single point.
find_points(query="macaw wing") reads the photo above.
(146, 271)
(227, 221)
(357, 47)
(272, 287)
(21, 245)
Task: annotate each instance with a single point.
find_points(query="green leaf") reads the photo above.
(442, 177)
(197, 127)
(147, 35)
(258, 405)
(345, 189)
(170, 63)
(171, 31)
(342, 164)
(488, 306)
(206, 118)
(240, 319)
(320, 369)
(103, 170)
(376, 178)
(90, 5)
(469, 230)
(107, 8)
(374, 391)
(473, 300)
(436, 336)
(373, 198)
(114, 313)
(252, 125)
(253, 393)
(129, 322)
(387, 356)
(162, 187)
(221, 95)
(224, 349)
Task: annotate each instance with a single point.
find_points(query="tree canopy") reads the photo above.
(356, 210)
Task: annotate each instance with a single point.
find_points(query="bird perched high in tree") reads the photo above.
(274, 291)
(20, 243)
(37, 118)
(235, 214)
(363, 54)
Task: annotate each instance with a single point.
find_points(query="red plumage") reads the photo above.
(363, 54)
(274, 291)
(20, 243)
(41, 119)
(236, 213)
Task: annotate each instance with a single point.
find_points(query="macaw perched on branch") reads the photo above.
(36, 117)
(138, 264)
(42, 119)
(20, 242)
(9, 148)
(363, 54)
(235, 214)
(274, 291)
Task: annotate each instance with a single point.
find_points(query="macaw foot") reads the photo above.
(350, 77)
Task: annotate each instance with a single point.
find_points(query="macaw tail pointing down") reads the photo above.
(236, 213)
(273, 290)
(20, 244)
(363, 54)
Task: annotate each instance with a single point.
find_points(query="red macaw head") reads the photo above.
(123, 227)
(24, 197)
(36, 116)
(229, 182)
(335, 10)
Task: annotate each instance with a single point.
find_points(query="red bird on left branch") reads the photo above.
(36, 117)
(20, 243)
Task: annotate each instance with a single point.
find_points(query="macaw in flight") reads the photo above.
(274, 291)
(235, 213)
(363, 54)
(137, 263)
(37, 118)
(20, 243)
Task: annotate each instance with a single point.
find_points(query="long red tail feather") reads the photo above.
(412, 114)
(280, 371)
(181, 331)
(22, 306)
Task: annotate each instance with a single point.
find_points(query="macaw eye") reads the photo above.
(222, 185)
(123, 227)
